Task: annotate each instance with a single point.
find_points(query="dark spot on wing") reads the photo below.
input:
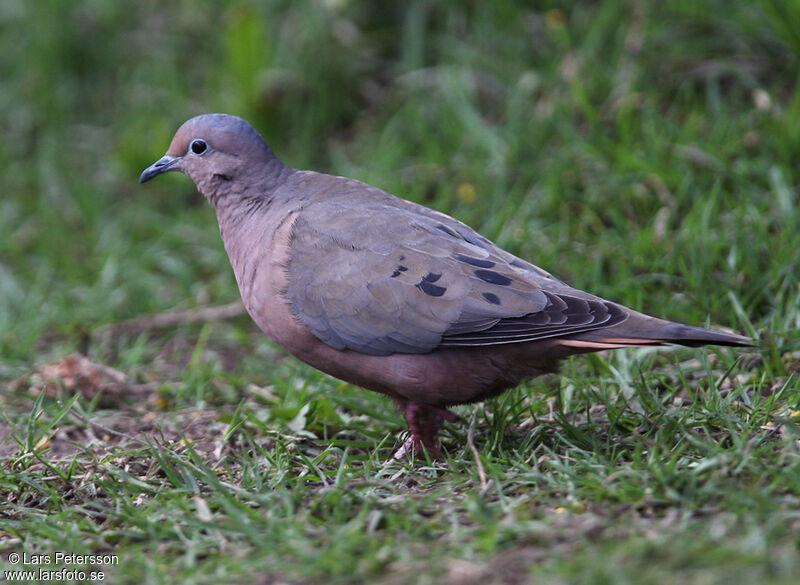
(431, 289)
(402, 257)
(517, 263)
(491, 298)
(400, 269)
(446, 230)
(493, 277)
(474, 261)
(473, 240)
(426, 285)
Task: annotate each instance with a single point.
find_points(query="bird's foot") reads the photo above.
(424, 422)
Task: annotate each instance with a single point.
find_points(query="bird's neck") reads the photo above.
(247, 215)
(237, 187)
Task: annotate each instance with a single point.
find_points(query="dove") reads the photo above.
(390, 295)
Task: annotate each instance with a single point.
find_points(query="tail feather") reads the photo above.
(697, 336)
(642, 330)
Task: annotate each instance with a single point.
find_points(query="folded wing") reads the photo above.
(397, 279)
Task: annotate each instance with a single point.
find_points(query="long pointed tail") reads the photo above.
(642, 330)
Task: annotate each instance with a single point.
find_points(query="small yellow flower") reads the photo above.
(466, 192)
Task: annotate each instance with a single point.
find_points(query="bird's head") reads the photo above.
(217, 151)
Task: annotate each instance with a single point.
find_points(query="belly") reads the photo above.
(442, 377)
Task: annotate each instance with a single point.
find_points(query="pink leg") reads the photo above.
(424, 422)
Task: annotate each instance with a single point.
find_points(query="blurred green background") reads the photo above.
(645, 151)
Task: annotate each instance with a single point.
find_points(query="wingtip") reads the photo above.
(697, 336)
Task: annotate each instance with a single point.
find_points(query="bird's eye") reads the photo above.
(198, 146)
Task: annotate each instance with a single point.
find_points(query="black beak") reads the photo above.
(162, 165)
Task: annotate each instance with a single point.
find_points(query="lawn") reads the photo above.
(647, 152)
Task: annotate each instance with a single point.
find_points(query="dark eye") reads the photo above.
(198, 146)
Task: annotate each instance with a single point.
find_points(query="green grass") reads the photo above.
(646, 152)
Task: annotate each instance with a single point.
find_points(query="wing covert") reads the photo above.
(403, 281)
